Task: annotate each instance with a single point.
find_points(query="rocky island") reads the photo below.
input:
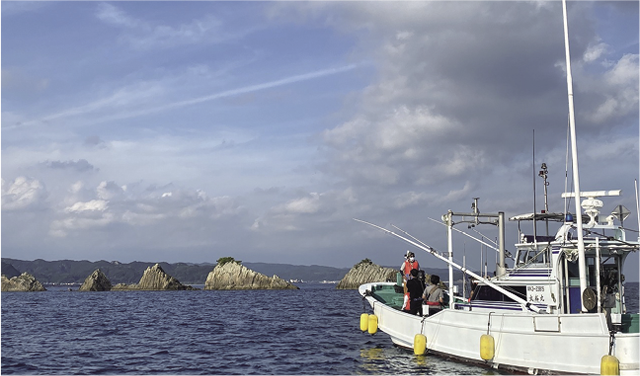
(23, 282)
(97, 281)
(154, 278)
(230, 274)
(365, 272)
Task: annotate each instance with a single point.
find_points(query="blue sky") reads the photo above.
(190, 131)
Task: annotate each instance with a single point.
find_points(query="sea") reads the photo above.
(311, 331)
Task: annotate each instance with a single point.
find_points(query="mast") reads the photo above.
(574, 157)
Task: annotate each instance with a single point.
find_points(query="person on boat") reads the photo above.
(410, 263)
(434, 295)
(413, 304)
(474, 284)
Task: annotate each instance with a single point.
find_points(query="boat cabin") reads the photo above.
(546, 272)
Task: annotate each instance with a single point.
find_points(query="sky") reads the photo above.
(190, 131)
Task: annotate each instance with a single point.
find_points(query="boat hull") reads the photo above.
(525, 342)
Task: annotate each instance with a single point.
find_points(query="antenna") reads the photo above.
(543, 174)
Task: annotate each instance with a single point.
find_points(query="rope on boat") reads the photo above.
(612, 338)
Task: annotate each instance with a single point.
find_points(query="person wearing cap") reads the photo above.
(410, 263)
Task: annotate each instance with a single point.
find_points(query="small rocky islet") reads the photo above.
(232, 275)
(22, 282)
(366, 272)
(228, 274)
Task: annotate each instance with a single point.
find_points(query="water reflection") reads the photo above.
(380, 359)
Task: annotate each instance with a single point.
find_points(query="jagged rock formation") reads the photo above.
(97, 281)
(365, 272)
(234, 276)
(23, 282)
(154, 278)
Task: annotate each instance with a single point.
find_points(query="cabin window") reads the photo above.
(533, 256)
(491, 294)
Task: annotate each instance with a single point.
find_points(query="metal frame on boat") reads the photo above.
(532, 311)
(559, 309)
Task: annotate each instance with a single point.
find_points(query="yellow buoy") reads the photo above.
(609, 365)
(487, 347)
(364, 322)
(419, 344)
(372, 326)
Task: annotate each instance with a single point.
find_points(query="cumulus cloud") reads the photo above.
(93, 205)
(22, 193)
(620, 91)
(449, 103)
(113, 204)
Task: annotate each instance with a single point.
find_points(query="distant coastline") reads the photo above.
(71, 273)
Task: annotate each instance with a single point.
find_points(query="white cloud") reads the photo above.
(595, 52)
(22, 193)
(93, 205)
(620, 91)
(115, 16)
(61, 228)
(304, 205)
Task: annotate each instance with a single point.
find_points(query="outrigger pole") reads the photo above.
(524, 303)
(465, 234)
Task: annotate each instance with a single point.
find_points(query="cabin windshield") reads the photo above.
(528, 256)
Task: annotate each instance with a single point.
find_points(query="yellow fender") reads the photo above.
(364, 322)
(419, 344)
(609, 365)
(487, 347)
(372, 326)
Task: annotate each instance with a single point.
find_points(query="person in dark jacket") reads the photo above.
(415, 289)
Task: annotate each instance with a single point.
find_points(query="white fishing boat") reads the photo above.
(559, 308)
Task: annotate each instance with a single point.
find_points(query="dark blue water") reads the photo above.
(314, 330)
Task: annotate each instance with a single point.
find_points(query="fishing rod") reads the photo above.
(508, 254)
(432, 250)
(484, 236)
(412, 237)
